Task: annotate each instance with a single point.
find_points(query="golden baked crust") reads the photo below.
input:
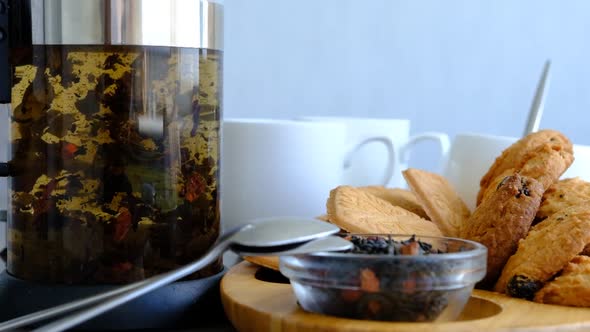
(357, 211)
(440, 201)
(571, 287)
(563, 194)
(501, 220)
(398, 197)
(493, 186)
(269, 262)
(545, 164)
(548, 247)
(513, 155)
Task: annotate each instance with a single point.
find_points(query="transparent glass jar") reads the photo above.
(114, 142)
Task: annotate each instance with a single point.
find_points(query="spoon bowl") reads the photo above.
(281, 231)
(325, 244)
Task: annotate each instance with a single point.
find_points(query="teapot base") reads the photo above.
(181, 304)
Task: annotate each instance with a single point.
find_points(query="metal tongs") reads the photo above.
(275, 236)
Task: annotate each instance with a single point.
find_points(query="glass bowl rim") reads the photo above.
(476, 250)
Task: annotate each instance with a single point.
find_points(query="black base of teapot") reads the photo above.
(178, 305)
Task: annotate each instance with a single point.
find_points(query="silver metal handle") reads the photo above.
(538, 104)
(117, 296)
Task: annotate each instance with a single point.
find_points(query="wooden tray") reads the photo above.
(253, 304)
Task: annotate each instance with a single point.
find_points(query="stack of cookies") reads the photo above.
(535, 226)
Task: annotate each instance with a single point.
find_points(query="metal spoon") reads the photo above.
(284, 235)
(538, 105)
(328, 243)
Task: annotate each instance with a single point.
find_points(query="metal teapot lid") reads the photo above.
(169, 23)
(172, 23)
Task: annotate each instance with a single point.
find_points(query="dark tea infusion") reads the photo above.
(116, 154)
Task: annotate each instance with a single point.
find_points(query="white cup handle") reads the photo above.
(443, 141)
(390, 161)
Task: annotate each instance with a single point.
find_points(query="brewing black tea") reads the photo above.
(116, 154)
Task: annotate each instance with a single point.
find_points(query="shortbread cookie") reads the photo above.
(563, 194)
(545, 164)
(440, 201)
(501, 220)
(571, 287)
(357, 211)
(545, 251)
(513, 155)
(398, 197)
(270, 262)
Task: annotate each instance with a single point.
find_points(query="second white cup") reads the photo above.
(368, 162)
(473, 154)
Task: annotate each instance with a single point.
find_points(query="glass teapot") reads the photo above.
(114, 137)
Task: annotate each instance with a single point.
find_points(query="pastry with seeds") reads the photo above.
(563, 194)
(439, 199)
(500, 221)
(545, 164)
(493, 186)
(357, 211)
(512, 156)
(571, 287)
(398, 197)
(545, 251)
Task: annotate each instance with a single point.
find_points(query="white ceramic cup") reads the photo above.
(472, 155)
(368, 162)
(284, 167)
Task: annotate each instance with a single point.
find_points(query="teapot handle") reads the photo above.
(4, 68)
(4, 51)
(5, 170)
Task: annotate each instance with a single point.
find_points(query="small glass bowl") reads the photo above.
(387, 287)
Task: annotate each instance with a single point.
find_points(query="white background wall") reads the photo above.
(452, 65)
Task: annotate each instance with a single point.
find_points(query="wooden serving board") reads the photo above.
(255, 305)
